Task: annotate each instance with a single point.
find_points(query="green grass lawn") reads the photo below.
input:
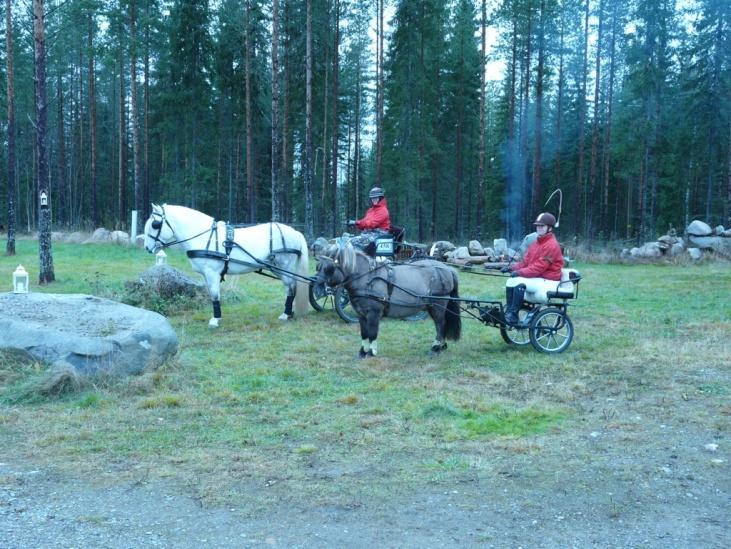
(259, 397)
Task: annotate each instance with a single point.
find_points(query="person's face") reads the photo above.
(541, 229)
(375, 201)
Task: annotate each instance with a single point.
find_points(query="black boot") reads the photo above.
(513, 301)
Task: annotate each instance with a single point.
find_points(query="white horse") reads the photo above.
(269, 248)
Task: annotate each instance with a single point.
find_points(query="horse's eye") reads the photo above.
(156, 224)
(329, 270)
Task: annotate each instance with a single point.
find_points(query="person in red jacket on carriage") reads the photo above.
(377, 216)
(538, 273)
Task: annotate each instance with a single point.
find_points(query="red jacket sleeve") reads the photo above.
(375, 218)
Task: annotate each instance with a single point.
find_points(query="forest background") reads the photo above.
(292, 109)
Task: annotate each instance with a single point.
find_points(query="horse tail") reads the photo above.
(453, 320)
(302, 297)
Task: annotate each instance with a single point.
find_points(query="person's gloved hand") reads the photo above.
(505, 270)
(350, 222)
(514, 274)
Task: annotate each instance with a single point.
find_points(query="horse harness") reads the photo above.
(229, 244)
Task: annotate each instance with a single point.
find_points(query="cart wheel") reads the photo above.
(321, 297)
(551, 331)
(343, 306)
(516, 336)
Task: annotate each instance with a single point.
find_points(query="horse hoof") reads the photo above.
(285, 316)
(362, 353)
(213, 323)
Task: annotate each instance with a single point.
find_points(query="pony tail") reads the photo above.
(301, 298)
(453, 320)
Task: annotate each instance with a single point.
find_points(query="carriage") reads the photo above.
(543, 323)
(543, 318)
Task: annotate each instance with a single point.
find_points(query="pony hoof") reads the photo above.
(285, 316)
(213, 323)
(362, 353)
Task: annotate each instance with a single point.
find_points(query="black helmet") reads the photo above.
(545, 219)
(376, 192)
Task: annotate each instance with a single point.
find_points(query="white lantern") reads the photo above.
(161, 258)
(20, 280)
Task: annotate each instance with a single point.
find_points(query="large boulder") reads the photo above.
(500, 245)
(119, 237)
(440, 248)
(475, 248)
(719, 244)
(85, 333)
(168, 282)
(99, 235)
(647, 250)
(699, 228)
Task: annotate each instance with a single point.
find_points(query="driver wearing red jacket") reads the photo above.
(377, 216)
(539, 271)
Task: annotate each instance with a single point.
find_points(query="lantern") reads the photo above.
(161, 258)
(20, 280)
(44, 199)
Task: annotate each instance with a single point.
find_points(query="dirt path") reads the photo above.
(647, 479)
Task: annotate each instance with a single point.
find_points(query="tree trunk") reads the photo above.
(336, 93)
(379, 93)
(604, 209)
(64, 199)
(356, 153)
(45, 252)
(135, 111)
(593, 167)
(286, 147)
(536, 191)
(580, 203)
(92, 125)
(276, 131)
(481, 153)
(250, 182)
(559, 105)
(122, 156)
(307, 160)
(146, 91)
(12, 216)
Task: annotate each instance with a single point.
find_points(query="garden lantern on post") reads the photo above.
(20, 280)
(161, 258)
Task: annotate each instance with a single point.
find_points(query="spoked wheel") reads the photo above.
(513, 335)
(551, 331)
(343, 306)
(321, 297)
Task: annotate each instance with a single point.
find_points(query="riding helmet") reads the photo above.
(545, 219)
(376, 192)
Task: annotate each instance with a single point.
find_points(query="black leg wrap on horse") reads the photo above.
(216, 309)
(288, 305)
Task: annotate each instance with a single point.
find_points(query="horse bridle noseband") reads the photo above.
(157, 225)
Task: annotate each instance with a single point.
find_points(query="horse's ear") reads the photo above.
(155, 207)
(370, 249)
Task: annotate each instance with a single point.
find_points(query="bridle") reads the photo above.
(157, 224)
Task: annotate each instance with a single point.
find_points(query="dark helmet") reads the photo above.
(545, 219)
(376, 192)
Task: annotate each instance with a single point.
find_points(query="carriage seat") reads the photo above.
(545, 291)
(566, 288)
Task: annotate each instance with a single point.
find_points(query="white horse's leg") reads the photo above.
(291, 291)
(213, 280)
